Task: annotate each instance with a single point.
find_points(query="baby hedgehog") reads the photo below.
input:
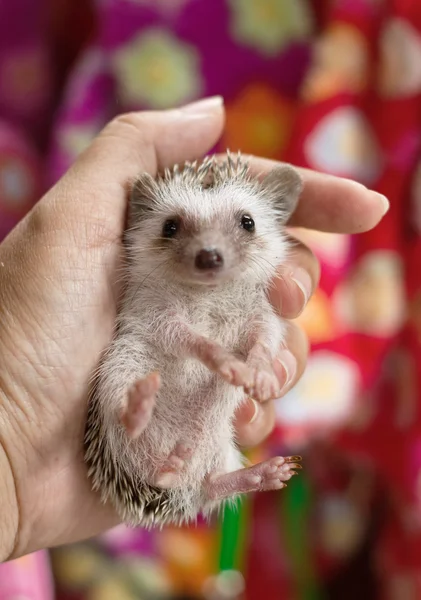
(195, 333)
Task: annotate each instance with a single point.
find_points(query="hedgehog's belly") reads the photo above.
(198, 415)
(201, 417)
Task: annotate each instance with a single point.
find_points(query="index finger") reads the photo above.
(331, 204)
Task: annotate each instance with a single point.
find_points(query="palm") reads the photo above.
(76, 290)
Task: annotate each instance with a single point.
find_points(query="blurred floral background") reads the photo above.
(334, 85)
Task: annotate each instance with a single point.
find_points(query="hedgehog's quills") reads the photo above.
(194, 333)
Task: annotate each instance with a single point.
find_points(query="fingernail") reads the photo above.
(303, 281)
(256, 409)
(203, 106)
(288, 364)
(384, 202)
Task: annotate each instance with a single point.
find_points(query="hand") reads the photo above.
(58, 274)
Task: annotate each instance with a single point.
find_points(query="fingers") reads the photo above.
(292, 359)
(296, 281)
(338, 205)
(329, 203)
(254, 422)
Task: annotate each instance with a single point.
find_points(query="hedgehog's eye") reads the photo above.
(247, 223)
(170, 228)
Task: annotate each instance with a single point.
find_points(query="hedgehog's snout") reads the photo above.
(208, 259)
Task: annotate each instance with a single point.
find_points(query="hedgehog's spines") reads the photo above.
(137, 502)
(210, 172)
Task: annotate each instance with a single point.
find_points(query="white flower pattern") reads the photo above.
(325, 395)
(343, 144)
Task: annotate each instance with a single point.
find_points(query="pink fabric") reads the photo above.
(27, 578)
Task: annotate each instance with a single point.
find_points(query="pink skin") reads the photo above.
(268, 475)
(140, 403)
(220, 361)
(169, 473)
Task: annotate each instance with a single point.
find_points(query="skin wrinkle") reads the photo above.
(9, 492)
(9, 500)
(9, 383)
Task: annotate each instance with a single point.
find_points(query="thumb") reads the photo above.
(148, 141)
(94, 189)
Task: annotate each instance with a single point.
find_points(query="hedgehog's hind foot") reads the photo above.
(268, 475)
(168, 474)
(140, 403)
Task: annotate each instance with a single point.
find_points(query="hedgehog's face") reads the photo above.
(209, 236)
(209, 249)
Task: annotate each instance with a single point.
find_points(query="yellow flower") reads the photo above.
(259, 122)
(156, 69)
(269, 25)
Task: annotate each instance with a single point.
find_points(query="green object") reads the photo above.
(295, 503)
(233, 535)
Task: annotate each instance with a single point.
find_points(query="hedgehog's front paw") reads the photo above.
(235, 371)
(265, 384)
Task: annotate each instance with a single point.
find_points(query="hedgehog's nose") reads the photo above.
(208, 258)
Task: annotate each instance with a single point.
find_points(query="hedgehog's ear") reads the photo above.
(283, 185)
(142, 196)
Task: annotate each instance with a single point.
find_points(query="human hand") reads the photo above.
(58, 290)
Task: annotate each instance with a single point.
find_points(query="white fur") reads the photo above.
(193, 405)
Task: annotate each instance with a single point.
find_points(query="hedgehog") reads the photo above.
(195, 336)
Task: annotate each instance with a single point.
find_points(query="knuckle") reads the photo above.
(131, 124)
(128, 119)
